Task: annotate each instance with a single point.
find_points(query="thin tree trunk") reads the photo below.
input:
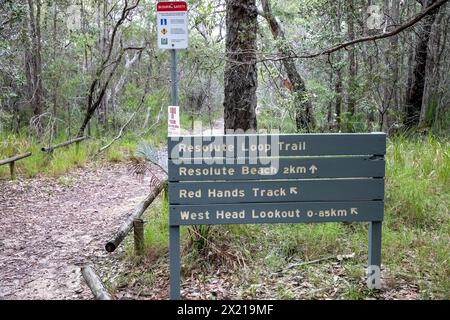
(415, 91)
(352, 69)
(432, 79)
(303, 112)
(338, 87)
(35, 61)
(106, 69)
(55, 75)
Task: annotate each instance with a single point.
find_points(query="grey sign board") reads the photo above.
(267, 179)
(277, 145)
(276, 191)
(267, 213)
(283, 168)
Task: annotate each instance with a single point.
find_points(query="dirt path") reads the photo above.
(50, 227)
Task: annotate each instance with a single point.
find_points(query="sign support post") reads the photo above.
(174, 262)
(174, 80)
(174, 231)
(173, 34)
(374, 263)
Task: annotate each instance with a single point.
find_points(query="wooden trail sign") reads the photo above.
(255, 179)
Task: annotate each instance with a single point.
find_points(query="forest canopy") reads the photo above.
(297, 66)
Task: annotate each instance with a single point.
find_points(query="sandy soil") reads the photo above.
(50, 227)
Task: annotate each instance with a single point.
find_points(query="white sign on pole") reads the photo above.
(172, 25)
(174, 121)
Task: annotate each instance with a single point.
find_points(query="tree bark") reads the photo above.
(436, 47)
(304, 114)
(392, 62)
(94, 283)
(415, 90)
(241, 78)
(338, 86)
(55, 75)
(34, 60)
(352, 69)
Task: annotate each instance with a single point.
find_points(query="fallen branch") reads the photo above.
(95, 283)
(126, 227)
(141, 103)
(119, 135)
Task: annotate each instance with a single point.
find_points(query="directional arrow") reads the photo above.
(293, 190)
(313, 169)
(354, 211)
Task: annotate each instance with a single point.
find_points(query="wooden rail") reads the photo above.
(50, 149)
(11, 161)
(95, 283)
(126, 227)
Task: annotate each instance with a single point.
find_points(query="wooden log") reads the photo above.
(95, 283)
(63, 144)
(15, 158)
(112, 245)
(138, 227)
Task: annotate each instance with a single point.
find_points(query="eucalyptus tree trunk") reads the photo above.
(352, 68)
(33, 58)
(55, 76)
(416, 85)
(338, 85)
(390, 86)
(436, 48)
(241, 79)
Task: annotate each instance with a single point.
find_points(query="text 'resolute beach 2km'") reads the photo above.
(265, 179)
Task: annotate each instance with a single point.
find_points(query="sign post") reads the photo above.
(173, 35)
(268, 179)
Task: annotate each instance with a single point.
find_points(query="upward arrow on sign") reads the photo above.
(313, 169)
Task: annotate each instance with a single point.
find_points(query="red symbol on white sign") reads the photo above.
(174, 121)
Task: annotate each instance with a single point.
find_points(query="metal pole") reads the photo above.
(374, 268)
(174, 79)
(174, 262)
(174, 231)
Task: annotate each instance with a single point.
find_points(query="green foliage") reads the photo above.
(353, 123)
(417, 178)
(157, 231)
(61, 160)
